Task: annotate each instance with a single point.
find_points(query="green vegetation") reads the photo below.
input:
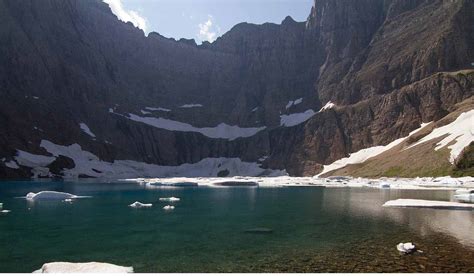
(465, 165)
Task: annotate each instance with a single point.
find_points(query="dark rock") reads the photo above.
(380, 62)
(60, 164)
(236, 184)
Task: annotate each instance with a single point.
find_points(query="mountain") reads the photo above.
(86, 95)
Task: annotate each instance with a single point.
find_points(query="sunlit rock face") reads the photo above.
(69, 64)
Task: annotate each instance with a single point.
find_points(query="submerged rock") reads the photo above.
(137, 204)
(259, 230)
(92, 267)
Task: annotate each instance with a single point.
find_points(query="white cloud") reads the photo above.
(127, 15)
(207, 31)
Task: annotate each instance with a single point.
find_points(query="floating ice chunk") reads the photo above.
(170, 199)
(51, 195)
(406, 248)
(145, 112)
(137, 204)
(419, 203)
(168, 207)
(68, 200)
(92, 267)
(5, 211)
(467, 197)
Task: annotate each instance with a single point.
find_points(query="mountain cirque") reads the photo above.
(71, 73)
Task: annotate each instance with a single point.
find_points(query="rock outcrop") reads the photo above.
(386, 65)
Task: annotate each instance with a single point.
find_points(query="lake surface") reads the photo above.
(313, 229)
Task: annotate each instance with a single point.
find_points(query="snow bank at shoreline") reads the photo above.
(448, 183)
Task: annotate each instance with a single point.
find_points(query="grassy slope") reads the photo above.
(421, 160)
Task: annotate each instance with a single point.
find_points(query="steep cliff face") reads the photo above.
(166, 102)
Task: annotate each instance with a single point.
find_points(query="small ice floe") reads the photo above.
(137, 204)
(5, 211)
(464, 195)
(51, 195)
(419, 203)
(92, 267)
(168, 207)
(406, 248)
(170, 199)
(68, 200)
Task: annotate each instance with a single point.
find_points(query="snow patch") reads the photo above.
(221, 131)
(296, 118)
(89, 164)
(145, 112)
(12, 164)
(86, 130)
(364, 154)
(461, 132)
(27, 159)
(328, 105)
(293, 103)
(158, 109)
(191, 105)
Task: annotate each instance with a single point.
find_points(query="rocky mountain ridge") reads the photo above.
(385, 65)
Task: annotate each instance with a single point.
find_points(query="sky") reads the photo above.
(205, 20)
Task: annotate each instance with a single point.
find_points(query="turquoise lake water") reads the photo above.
(313, 229)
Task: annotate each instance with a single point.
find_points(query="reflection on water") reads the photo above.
(367, 203)
(207, 230)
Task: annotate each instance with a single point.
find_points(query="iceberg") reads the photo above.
(137, 204)
(170, 199)
(419, 203)
(465, 195)
(168, 207)
(406, 248)
(51, 195)
(92, 267)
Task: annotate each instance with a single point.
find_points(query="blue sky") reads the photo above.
(205, 19)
